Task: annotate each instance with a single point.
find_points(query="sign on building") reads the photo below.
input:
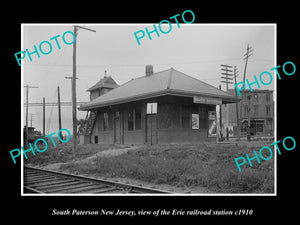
(152, 108)
(207, 100)
(211, 115)
(230, 131)
(212, 128)
(195, 121)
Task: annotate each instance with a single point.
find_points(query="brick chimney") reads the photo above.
(149, 70)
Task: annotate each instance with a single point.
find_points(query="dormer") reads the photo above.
(103, 86)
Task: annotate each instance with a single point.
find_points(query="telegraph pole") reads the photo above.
(219, 121)
(227, 80)
(27, 94)
(74, 105)
(73, 124)
(31, 119)
(247, 55)
(228, 75)
(59, 112)
(44, 117)
(235, 74)
(249, 111)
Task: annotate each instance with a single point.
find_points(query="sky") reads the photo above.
(194, 49)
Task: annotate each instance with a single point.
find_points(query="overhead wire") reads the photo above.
(138, 65)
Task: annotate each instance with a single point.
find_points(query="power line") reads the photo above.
(32, 104)
(139, 65)
(262, 60)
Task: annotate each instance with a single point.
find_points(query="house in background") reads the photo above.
(162, 107)
(259, 103)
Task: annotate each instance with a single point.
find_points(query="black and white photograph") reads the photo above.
(167, 116)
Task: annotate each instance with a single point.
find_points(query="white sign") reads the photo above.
(212, 129)
(230, 131)
(211, 115)
(152, 108)
(207, 100)
(195, 121)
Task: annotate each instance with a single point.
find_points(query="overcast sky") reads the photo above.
(194, 49)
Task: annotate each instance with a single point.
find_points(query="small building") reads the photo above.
(104, 85)
(162, 107)
(31, 135)
(258, 105)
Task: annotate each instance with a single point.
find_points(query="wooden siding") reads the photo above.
(168, 127)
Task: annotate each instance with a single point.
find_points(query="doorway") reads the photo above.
(117, 128)
(151, 129)
(253, 127)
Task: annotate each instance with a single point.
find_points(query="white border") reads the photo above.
(143, 24)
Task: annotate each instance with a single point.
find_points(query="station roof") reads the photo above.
(167, 82)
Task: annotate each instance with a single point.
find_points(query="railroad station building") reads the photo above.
(162, 107)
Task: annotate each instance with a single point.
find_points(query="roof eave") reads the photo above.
(225, 99)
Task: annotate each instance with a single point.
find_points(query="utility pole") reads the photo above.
(44, 117)
(247, 55)
(74, 125)
(31, 119)
(59, 112)
(227, 80)
(71, 80)
(219, 121)
(228, 75)
(249, 124)
(235, 74)
(74, 105)
(27, 97)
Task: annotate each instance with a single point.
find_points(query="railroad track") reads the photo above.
(41, 181)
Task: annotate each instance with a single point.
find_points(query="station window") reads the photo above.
(268, 110)
(138, 119)
(245, 111)
(96, 139)
(244, 127)
(117, 114)
(105, 121)
(260, 127)
(130, 120)
(255, 110)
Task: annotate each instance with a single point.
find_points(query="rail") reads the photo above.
(42, 181)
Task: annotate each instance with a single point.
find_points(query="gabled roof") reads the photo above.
(107, 82)
(167, 82)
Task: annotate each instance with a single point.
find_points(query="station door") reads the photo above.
(151, 129)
